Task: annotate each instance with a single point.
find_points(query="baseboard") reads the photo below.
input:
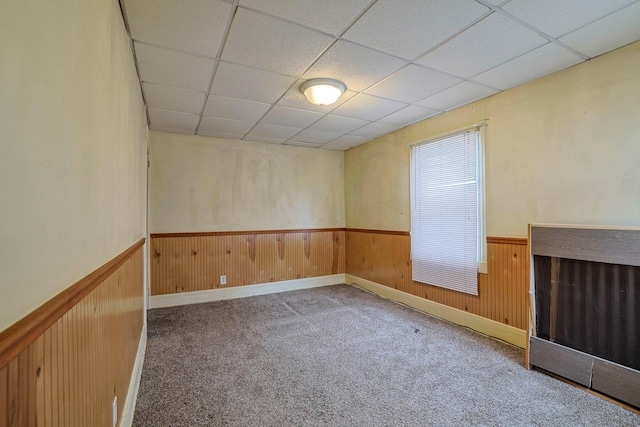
(515, 336)
(132, 395)
(184, 298)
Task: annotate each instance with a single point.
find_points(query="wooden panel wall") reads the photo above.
(70, 374)
(384, 258)
(195, 261)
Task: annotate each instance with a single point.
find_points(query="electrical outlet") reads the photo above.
(114, 414)
(223, 280)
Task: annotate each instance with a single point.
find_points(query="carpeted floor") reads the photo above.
(339, 356)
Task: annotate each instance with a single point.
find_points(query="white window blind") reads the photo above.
(445, 212)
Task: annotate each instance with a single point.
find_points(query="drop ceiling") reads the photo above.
(233, 69)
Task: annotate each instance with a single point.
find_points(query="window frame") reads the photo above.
(480, 132)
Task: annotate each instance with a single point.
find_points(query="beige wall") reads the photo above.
(72, 161)
(210, 184)
(561, 149)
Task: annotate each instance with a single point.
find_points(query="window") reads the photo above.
(447, 232)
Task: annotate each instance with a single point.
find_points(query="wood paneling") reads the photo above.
(571, 364)
(599, 244)
(70, 373)
(615, 380)
(22, 333)
(195, 262)
(508, 240)
(502, 293)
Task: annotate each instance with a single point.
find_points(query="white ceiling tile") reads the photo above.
(172, 68)
(303, 144)
(235, 109)
(487, 44)
(335, 123)
(408, 115)
(215, 124)
(171, 98)
(530, 66)
(367, 107)
(330, 16)
(409, 28)
(174, 119)
(294, 98)
(374, 130)
(172, 129)
(412, 83)
(559, 17)
(350, 140)
(315, 136)
(195, 26)
(263, 139)
(356, 66)
(609, 33)
(273, 131)
(457, 96)
(291, 117)
(272, 44)
(239, 81)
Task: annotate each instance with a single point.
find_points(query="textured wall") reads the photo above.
(561, 149)
(211, 184)
(72, 162)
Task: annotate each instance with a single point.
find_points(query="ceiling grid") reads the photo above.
(233, 69)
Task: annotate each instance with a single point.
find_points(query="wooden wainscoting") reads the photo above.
(185, 262)
(69, 374)
(384, 257)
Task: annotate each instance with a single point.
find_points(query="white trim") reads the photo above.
(515, 336)
(134, 384)
(170, 300)
(443, 135)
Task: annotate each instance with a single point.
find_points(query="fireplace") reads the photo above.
(586, 306)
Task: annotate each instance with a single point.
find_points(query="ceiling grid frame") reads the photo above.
(171, 102)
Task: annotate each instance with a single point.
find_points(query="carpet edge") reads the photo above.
(510, 334)
(185, 298)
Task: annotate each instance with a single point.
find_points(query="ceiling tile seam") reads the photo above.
(333, 36)
(135, 59)
(470, 79)
(462, 79)
(299, 77)
(590, 23)
(357, 18)
(534, 29)
(285, 20)
(172, 87)
(448, 39)
(342, 134)
(336, 38)
(408, 62)
(232, 14)
(172, 49)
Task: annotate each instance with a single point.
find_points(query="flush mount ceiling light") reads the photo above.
(322, 91)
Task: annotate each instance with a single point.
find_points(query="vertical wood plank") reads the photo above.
(503, 292)
(16, 396)
(4, 398)
(67, 376)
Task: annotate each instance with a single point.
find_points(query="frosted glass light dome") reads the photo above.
(322, 91)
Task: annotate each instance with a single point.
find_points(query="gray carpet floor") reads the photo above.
(339, 356)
